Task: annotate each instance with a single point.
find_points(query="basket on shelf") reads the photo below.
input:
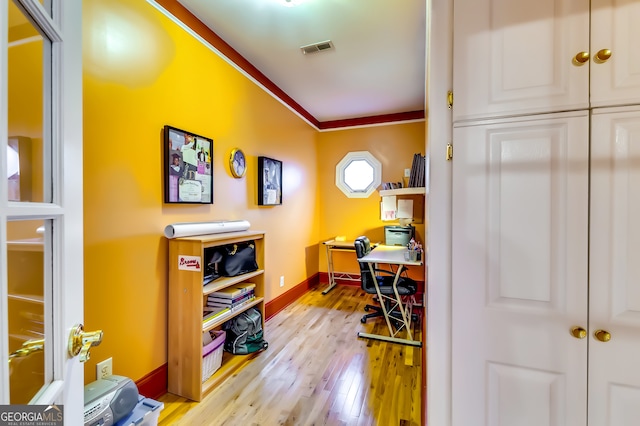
(212, 354)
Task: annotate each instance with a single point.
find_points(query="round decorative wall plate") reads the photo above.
(237, 163)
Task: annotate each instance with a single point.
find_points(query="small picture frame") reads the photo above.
(269, 181)
(237, 163)
(188, 167)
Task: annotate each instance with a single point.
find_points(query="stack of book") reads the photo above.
(211, 315)
(229, 299)
(233, 297)
(391, 185)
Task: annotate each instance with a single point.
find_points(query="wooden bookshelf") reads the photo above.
(187, 298)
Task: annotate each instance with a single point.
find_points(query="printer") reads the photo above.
(398, 235)
(108, 400)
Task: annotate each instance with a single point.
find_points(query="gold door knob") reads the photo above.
(581, 58)
(602, 56)
(578, 332)
(603, 336)
(80, 342)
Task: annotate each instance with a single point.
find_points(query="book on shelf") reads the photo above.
(210, 320)
(224, 300)
(413, 175)
(234, 291)
(213, 312)
(209, 278)
(392, 185)
(416, 178)
(208, 309)
(233, 307)
(217, 303)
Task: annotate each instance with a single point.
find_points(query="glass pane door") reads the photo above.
(28, 109)
(27, 312)
(41, 274)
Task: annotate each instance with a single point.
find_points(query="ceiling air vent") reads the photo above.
(317, 47)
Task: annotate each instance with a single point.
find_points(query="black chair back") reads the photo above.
(363, 247)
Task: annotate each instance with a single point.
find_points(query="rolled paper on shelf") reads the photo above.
(188, 229)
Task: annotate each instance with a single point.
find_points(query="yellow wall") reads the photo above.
(394, 147)
(141, 72)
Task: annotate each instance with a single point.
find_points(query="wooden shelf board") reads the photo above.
(221, 283)
(228, 315)
(223, 238)
(403, 191)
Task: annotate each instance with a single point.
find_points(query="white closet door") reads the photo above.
(614, 376)
(615, 27)
(517, 57)
(519, 272)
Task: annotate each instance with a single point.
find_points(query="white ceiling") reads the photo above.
(377, 66)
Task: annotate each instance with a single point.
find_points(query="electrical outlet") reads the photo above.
(104, 368)
(282, 281)
(407, 172)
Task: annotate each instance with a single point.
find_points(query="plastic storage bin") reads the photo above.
(145, 413)
(212, 354)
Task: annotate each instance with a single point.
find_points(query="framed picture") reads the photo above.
(188, 167)
(269, 181)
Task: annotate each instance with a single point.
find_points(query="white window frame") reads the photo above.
(344, 164)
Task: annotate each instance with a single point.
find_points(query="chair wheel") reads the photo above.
(366, 309)
(363, 320)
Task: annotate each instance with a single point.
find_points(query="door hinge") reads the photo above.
(449, 152)
(450, 99)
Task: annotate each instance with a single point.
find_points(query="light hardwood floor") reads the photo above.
(316, 371)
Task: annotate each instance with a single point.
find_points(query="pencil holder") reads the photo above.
(411, 255)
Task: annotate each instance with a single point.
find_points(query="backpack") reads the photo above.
(244, 333)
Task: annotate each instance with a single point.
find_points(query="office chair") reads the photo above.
(406, 286)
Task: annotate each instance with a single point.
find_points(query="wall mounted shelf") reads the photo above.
(403, 191)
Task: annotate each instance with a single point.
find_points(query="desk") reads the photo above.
(333, 245)
(392, 255)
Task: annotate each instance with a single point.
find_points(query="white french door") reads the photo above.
(41, 225)
(519, 271)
